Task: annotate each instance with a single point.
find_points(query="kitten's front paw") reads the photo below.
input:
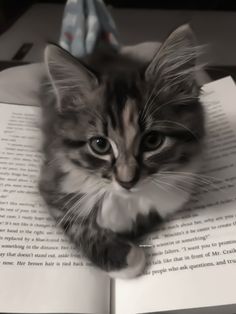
(135, 264)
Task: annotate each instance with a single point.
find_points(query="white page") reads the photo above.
(192, 263)
(40, 271)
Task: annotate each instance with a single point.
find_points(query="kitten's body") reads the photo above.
(103, 200)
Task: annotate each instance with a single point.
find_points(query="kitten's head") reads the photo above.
(124, 121)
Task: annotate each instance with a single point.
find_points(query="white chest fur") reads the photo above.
(119, 211)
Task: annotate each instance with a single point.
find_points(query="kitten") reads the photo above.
(120, 137)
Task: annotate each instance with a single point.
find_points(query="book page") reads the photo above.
(192, 258)
(40, 270)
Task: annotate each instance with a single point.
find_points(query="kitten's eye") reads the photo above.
(100, 145)
(152, 141)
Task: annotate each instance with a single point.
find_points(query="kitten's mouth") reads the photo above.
(124, 191)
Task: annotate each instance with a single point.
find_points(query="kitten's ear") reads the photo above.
(71, 80)
(176, 58)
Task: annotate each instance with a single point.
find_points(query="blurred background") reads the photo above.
(26, 26)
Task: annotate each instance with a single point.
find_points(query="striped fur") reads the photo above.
(105, 201)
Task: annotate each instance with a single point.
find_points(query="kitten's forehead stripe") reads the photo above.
(126, 169)
(118, 90)
(130, 123)
(122, 99)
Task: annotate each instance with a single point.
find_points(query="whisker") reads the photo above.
(198, 175)
(149, 103)
(170, 185)
(156, 182)
(197, 179)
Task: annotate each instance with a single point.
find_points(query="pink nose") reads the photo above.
(129, 182)
(127, 173)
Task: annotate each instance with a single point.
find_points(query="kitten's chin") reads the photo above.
(117, 188)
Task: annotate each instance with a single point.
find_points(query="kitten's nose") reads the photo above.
(129, 178)
(127, 173)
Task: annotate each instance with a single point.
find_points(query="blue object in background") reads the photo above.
(86, 25)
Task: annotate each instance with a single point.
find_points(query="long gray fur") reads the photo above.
(122, 100)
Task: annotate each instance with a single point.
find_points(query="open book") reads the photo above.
(191, 260)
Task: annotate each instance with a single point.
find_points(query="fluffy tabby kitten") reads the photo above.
(120, 137)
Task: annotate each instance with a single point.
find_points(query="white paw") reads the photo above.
(136, 262)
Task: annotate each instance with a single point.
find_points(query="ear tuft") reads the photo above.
(175, 61)
(71, 79)
(50, 51)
